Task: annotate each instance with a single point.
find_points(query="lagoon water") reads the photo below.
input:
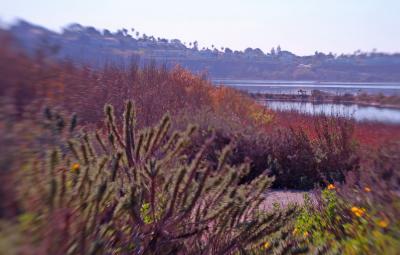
(358, 112)
(292, 87)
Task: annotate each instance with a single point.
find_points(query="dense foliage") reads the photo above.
(147, 181)
(135, 191)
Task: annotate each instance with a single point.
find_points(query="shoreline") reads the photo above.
(309, 99)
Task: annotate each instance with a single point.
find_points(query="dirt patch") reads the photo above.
(283, 198)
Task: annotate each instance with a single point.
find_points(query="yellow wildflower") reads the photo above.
(377, 234)
(305, 234)
(367, 189)
(267, 245)
(383, 223)
(75, 167)
(294, 231)
(359, 212)
(69, 183)
(331, 187)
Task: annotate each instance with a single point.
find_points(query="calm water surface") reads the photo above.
(292, 87)
(359, 113)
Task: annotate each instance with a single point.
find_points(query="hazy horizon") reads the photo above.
(300, 26)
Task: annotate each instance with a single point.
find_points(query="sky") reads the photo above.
(300, 26)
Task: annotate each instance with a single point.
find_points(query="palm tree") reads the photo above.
(273, 52)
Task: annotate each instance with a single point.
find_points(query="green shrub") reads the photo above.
(338, 226)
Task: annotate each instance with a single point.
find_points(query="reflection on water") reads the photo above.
(292, 87)
(359, 113)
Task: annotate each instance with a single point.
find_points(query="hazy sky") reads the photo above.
(301, 26)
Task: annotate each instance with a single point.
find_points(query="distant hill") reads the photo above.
(91, 46)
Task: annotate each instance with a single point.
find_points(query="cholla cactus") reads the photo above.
(128, 191)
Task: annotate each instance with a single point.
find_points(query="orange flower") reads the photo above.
(267, 245)
(359, 212)
(367, 189)
(383, 223)
(75, 167)
(331, 187)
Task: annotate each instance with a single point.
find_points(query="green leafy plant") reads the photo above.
(336, 226)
